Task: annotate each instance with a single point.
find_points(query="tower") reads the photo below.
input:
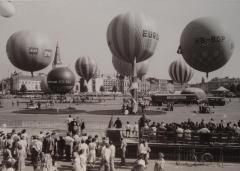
(57, 60)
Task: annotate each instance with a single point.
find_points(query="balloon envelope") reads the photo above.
(124, 68)
(29, 51)
(180, 72)
(194, 90)
(131, 35)
(205, 45)
(86, 67)
(7, 9)
(61, 80)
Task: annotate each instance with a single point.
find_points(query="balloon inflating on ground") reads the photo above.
(61, 80)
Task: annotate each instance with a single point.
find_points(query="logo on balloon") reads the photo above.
(203, 41)
(33, 51)
(150, 34)
(47, 53)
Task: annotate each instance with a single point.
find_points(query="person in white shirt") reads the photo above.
(123, 151)
(160, 163)
(112, 157)
(135, 129)
(128, 129)
(68, 145)
(92, 153)
(107, 157)
(83, 160)
(83, 146)
(141, 161)
(23, 143)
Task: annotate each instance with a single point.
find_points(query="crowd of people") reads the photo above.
(187, 128)
(82, 150)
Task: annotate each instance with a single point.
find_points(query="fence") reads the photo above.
(92, 127)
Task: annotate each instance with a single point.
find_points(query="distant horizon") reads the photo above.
(113, 74)
(79, 26)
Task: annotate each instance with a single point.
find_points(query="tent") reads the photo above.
(221, 89)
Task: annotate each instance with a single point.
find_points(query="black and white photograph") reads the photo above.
(119, 85)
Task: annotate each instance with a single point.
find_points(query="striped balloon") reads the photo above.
(125, 68)
(132, 35)
(86, 68)
(180, 72)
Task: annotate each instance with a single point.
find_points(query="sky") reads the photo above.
(80, 28)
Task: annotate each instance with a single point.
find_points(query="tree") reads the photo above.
(114, 89)
(102, 89)
(238, 87)
(203, 80)
(23, 88)
(233, 88)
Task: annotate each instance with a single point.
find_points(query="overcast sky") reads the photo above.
(80, 27)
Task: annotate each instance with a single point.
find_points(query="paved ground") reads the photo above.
(98, 115)
(170, 166)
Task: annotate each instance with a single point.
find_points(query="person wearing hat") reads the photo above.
(160, 163)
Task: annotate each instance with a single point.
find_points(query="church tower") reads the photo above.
(57, 60)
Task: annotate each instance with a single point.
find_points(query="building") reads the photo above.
(216, 82)
(5, 86)
(31, 83)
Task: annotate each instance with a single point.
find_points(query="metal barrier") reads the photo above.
(50, 125)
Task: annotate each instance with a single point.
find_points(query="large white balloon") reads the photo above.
(7, 9)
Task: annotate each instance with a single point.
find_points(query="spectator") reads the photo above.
(112, 157)
(187, 134)
(135, 129)
(148, 150)
(48, 144)
(128, 129)
(106, 157)
(160, 163)
(68, 146)
(76, 162)
(110, 124)
(83, 160)
(142, 149)
(69, 120)
(141, 161)
(21, 155)
(204, 135)
(61, 147)
(92, 153)
(82, 127)
(83, 146)
(118, 123)
(36, 149)
(123, 148)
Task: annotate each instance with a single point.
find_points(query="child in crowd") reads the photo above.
(160, 163)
